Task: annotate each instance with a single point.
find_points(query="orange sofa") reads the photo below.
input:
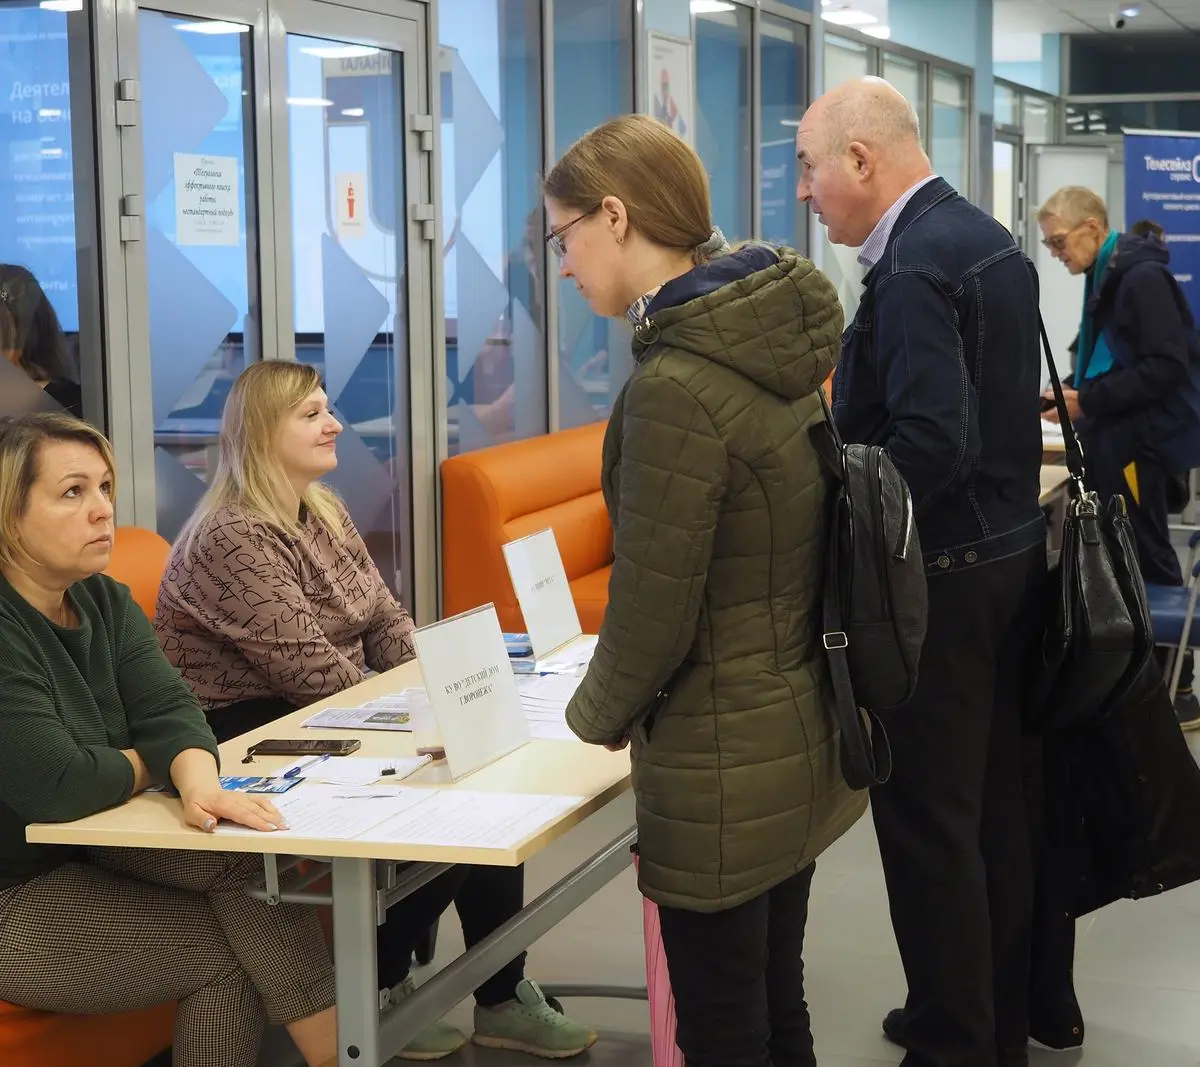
(46, 1039)
(497, 495)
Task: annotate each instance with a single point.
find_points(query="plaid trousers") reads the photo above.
(130, 928)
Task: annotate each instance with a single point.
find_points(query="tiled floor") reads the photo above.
(1138, 967)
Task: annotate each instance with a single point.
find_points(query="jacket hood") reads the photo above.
(1133, 251)
(766, 313)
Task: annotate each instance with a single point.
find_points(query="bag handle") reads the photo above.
(1070, 440)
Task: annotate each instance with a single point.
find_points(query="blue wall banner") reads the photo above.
(1162, 183)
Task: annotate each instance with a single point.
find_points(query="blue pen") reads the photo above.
(296, 771)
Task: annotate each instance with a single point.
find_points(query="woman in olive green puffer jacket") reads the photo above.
(709, 658)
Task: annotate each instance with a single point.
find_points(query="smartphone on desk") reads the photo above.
(307, 747)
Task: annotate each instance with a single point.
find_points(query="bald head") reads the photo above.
(860, 149)
(871, 111)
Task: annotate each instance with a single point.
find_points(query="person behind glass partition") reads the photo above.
(32, 340)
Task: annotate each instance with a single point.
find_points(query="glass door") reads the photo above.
(193, 146)
(277, 175)
(1007, 155)
(353, 268)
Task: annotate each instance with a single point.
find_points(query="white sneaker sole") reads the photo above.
(1035, 1043)
(512, 1044)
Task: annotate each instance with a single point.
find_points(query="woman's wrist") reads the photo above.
(141, 773)
(194, 771)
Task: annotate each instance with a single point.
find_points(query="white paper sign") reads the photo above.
(207, 205)
(351, 204)
(540, 582)
(472, 689)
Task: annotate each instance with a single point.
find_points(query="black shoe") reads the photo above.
(893, 1027)
(1187, 710)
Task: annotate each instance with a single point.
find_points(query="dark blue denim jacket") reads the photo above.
(942, 367)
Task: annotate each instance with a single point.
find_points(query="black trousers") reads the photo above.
(738, 980)
(952, 824)
(485, 897)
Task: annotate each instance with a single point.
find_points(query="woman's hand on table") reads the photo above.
(205, 808)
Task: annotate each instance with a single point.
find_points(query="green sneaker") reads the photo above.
(531, 1024)
(436, 1041)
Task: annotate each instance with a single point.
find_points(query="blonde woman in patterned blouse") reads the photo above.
(271, 601)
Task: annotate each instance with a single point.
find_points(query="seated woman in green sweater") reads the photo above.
(271, 601)
(91, 714)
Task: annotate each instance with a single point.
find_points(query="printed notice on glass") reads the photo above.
(472, 689)
(540, 581)
(207, 205)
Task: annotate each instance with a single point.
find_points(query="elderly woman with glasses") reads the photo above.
(1135, 392)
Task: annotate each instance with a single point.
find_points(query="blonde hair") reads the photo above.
(249, 473)
(22, 440)
(656, 175)
(1073, 205)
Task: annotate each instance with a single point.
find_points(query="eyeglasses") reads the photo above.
(1059, 241)
(555, 237)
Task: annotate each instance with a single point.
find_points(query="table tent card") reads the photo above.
(540, 582)
(472, 689)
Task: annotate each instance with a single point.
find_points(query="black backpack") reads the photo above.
(874, 600)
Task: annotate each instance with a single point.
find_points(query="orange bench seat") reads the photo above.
(48, 1039)
(496, 495)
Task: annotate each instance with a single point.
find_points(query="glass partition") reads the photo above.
(492, 221)
(593, 48)
(723, 120)
(909, 78)
(48, 237)
(783, 91)
(201, 260)
(950, 136)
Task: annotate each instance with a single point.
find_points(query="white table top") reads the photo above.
(557, 768)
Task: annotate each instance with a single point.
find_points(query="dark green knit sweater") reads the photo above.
(69, 701)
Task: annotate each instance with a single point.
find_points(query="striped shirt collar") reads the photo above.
(872, 249)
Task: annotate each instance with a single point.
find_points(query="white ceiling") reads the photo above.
(1019, 24)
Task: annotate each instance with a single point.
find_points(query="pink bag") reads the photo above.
(658, 985)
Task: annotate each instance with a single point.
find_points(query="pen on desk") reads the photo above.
(297, 770)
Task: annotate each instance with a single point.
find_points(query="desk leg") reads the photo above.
(354, 926)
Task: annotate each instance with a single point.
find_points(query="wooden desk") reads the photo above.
(367, 1036)
(564, 768)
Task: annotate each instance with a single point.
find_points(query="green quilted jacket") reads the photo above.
(709, 656)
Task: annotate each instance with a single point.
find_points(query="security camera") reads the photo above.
(1118, 21)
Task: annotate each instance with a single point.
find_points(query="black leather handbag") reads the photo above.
(1097, 634)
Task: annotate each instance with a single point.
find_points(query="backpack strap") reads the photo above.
(866, 751)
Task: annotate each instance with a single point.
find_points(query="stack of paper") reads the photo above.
(545, 699)
(572, 658)
(395, 711)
